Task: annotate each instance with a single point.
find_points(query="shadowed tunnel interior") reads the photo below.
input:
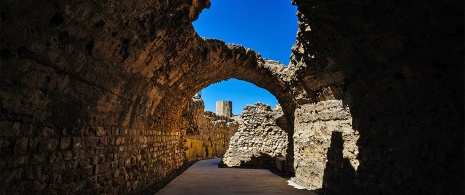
(92, 92)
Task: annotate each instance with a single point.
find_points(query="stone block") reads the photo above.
(90, 131)
(18, 161)
(12, 174)
(67, 155)
(87, 171)
(100, 131)
(48, 145)
(116, 174)
(38, 185)
(65, 143)
(92, 142)
(78, 131)
(94, 160)
(15, 130)
(27, 129)
(20, 146)
(46, 132)
(38, 158)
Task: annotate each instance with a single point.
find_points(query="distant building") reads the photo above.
(224, 108)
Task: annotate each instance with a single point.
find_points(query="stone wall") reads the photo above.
(321, 158)
(205, 134)
(398, 66)
(258, 140)
(76, 116)
(110, 78)
(84, 159)
(113, 77)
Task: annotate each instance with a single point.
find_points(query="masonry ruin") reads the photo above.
(258, 140)
(205, 134)
(92, 94)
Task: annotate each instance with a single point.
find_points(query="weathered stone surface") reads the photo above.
(314, 128)
(381, 60)
(258, 135)
(21, 146)
(129, 68)
(65, 143)
(48, 145)
(206, 135)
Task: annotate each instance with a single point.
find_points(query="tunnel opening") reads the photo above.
(202, 128)
(240, 93)
(260, 128)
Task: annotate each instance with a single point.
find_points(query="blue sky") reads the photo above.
(266, 26)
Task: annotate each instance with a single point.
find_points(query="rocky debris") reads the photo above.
(258, 135)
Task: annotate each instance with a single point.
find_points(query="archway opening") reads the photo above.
(240, 93)
(254, 137)
(218, 61)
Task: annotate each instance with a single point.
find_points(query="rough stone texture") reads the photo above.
(258, 136)
(92, 92)
(205, 134)
(112, 78)
(86, 159)
(315, 128)
(398, 66)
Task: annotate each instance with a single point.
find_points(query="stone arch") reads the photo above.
(223, 61)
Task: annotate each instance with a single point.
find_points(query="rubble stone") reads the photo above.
(258, 136)
(313, 135)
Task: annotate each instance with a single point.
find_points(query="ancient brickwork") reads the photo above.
(205, 134)
(85, 159)
(259, 136)
(315, 128)
(76, 113)
(92, 92)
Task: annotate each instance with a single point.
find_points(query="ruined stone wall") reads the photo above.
(61, 133)
(86, 159)
(398, 66)
(71, 69)
(321, 158)
(76, 114)
(205, 134)
(258, 140)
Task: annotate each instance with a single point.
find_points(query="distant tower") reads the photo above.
(224, 108)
